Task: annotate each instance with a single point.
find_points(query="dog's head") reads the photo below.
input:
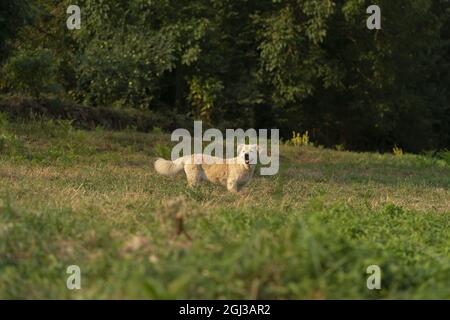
(248, 153)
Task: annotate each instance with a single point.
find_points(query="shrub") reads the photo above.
(163, 150)
(398, 152)
(124, 70)
(32, 72)
(203, 95)
(444, 155)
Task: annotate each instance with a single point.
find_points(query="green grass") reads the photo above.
(92, 199)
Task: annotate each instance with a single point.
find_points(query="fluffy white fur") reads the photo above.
(234, 173)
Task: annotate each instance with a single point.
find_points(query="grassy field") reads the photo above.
(92, 199)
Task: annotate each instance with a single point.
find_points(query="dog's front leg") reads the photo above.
(192, 175)
(232, 186)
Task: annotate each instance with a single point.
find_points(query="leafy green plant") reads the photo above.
(32, 72)
(156, 130)
(123, 68)
(444, 155)
(398, 152)
(203, 95)
(163, 150)
(10, 144)
(299, 139)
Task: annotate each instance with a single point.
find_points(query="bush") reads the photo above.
(124, 71)
(163, 150)
(32, 72)
(444, 155)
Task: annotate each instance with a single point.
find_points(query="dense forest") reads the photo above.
(296, 65)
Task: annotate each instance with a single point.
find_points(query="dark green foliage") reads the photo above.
(13, 15)
(300, 65)
(31, 72)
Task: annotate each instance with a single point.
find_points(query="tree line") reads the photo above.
(296, 65)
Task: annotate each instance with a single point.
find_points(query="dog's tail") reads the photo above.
(167, 167)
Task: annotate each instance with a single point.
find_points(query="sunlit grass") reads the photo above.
(93, 199)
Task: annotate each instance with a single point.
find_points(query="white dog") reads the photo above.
(233, 173)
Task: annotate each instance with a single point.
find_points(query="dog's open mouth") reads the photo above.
(247, 159)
